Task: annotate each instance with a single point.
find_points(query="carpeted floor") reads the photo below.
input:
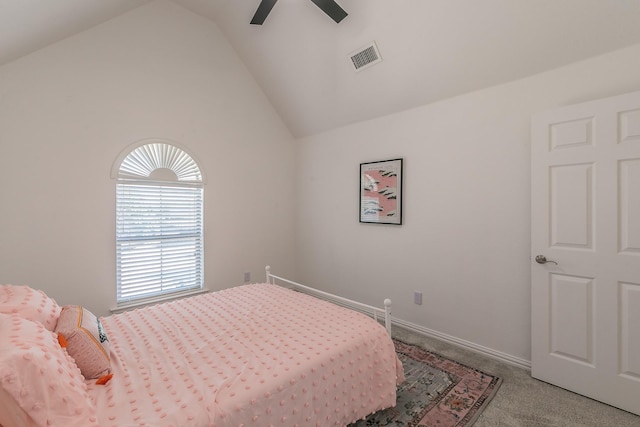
(523, 401)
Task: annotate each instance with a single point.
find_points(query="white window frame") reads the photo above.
(159, 223)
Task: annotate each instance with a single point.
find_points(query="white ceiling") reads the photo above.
(431, 49)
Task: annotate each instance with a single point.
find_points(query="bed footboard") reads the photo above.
(375, 312)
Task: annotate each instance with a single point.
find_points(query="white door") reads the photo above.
(586, 217)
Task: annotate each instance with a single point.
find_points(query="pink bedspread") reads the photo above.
(255, 355)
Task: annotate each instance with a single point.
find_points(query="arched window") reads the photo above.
(159, 232)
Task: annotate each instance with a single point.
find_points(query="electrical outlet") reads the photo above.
(417, 298)
(247, 276)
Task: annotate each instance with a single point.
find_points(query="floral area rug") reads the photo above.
(437, 392)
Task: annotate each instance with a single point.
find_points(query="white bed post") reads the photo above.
(387, 315)
(268, 271)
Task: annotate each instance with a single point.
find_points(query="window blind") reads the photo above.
(159, 238)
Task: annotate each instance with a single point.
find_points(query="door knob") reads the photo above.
(541, 259)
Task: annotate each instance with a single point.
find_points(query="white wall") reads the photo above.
(67, 112)
(466, 239)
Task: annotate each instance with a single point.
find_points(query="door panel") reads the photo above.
(571, 302)
(571, 206)
(629, 206)
(586, 217)
(630, 330)
(571, 134)
(629, 125)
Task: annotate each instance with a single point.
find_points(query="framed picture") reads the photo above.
(381, 192)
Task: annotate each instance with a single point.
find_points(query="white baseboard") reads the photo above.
(485, 351)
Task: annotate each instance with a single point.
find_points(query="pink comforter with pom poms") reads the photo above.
(255, 355)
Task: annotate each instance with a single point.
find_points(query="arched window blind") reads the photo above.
(159, 232)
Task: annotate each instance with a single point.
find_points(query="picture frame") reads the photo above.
(381, 192)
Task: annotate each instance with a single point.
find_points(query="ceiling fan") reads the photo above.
(330, 7)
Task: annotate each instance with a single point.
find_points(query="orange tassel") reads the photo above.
(103, 380)
(62, 341)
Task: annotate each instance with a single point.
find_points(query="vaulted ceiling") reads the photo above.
(431, 49)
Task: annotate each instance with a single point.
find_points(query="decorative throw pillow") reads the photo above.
(29, 304)
(86, 341)
(39, 381)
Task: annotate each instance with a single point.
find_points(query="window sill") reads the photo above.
(152, 301)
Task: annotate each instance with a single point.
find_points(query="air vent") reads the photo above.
(365, 57)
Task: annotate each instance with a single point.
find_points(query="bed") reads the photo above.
(266, 354)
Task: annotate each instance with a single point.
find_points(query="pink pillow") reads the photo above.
(39, 381)
(86, 340)
(29, 304)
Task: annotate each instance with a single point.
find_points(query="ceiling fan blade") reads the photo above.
(331, 8)
(263, 10)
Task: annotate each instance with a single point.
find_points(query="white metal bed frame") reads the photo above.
(372, 311)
